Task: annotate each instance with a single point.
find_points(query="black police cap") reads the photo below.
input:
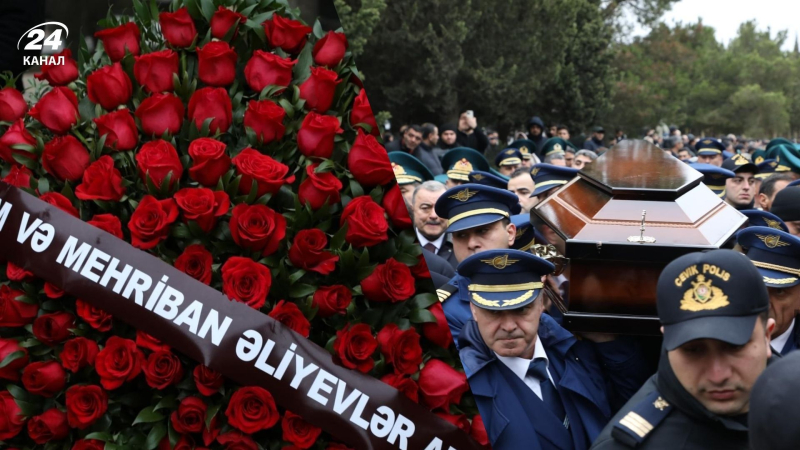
(774, 408)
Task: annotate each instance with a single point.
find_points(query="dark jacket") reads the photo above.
(793, 343)
(446, 253)
(476, 140)
(440, 267)
(538, 140)
(592, 144)
(423, 154)
(587, 377)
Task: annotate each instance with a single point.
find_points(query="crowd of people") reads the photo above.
(539, 386)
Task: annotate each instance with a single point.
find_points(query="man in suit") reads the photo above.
(430, 228)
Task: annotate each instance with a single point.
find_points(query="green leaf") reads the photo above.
(167, 402)
(293, 278)
(212, 411)
(44, 185)
(301, 290)
(423, 301)
(422, 316)
(207, 9)
(155, 436)
(11, 358)
(148, 415)
(302, 69)
(100, 436)
(318, 31)
(338, 239)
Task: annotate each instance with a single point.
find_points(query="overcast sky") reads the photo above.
(726, 15)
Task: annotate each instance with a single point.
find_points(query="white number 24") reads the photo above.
(54, 40)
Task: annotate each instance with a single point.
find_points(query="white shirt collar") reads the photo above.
(779, 342)
(423, 240)
(520, 365)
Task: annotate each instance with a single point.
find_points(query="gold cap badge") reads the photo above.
(773, 224)
(535, 171)
(772, 241)
(510, 152)
(478, 177)
(464, 195)
(398, 169)
(500, 262)
(703, 296)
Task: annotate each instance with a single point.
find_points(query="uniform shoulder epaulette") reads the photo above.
(636, 425)
(446, 291)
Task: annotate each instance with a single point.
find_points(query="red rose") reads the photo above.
(119, 361)
(89, 444)
(222, 21)
(395, 206)
(16, 273)
(95, 317)
(216, 64)
(160, 113)
(459, 420)
(78, 353)
(14, 313)
(101, 181)
(117, 40)
(268, 174)
(478, 431)
(290, 315)
(49, 426)
(52, 291)
(119, 129)
(162, 369)
(52, 329)
(57, 110)
(235, 440)
(147, 341)
(404, 384)
(85, 404)
(16, 134)
(439, 332)
(246, 281)
(12, 105)
(257, 227)
(319, 188)
(60, 202)
(109, 86)
(289, 35)
(190, 417)
(211, 103)
(149, 223)
(420, 270)
(329, 51)
(208, 381)
(11, 370)
(157, 159)
(265, 118)
(354, 347)
(65, 158)
(252, 409)
(178, 27)
(267, 69)
(19, 176)
(45, 378)
(441, 385)
(366, 224)
(316, 135)
(368, 161)
(308, 252)
(401, 348)
(196, 261)
(319, 88)
(362, 113)
(154, 70)
(332, 300)
(210, 161)
(59, 74)
(299, 432)
(11, 418)
(108, 223)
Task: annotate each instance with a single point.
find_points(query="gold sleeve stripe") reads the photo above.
(442, 294)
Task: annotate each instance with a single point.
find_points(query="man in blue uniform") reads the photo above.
(709, 151)
(508, 160)
(714, 177)
(548, 178)
(536, 385)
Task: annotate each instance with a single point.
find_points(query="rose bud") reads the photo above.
(308, 252)
(109, 86)
(202, 205)
(160, 113)
(299, 432)
(290, 35)
(65, 158)
(290, 315)
(268, 174)
(441, 385)
(154, 70)
(95, 317)
(368, 161)
(78, 353)
(59, 74)
(246, 281)
(216, 63)
(16, 273)
(390, 281)
(15, 313)
(190, 417)
(332, 300)
(12, 105)
(267, 69)
(144, 340)
(52, 329)
(235, 440)
(11, 418)
(395, 206)
(319, 188)
(178, 27)
(119, 128)
(162, 369)
(404, 384)
(439, 332)
(401, 349)
(329, 51)
(89, 444)
(49, 426)
(265, 118)
(85, 405)
(257, 227)
(158, 159)
(57, 110)
(53, 291)
(222, 21)
(108, 223)
(117, 40)
(362, 113)
(196, 261)
(19, 176)
(101, 181)
(478, 431)
(354, 347)
(210, 161)
(366, 223)
(16, 134)
(211, 103)
(208, 381)
(149, 223)
(252, 409)
(316, 135)
(319, 88)
(61, 202)
(45, 378)
(11, 370)
(119, 361)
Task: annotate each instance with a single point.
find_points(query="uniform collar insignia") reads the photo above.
(660, 404)
(703, 296)
(464, 195)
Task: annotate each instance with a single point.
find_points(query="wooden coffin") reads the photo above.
(612, 272)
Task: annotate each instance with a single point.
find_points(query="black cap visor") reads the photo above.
(735, 330)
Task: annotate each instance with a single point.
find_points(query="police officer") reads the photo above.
(508, 160)
(536, 385)
(776, 254)
(787, 206)
(409, 172)
(709, 151)
(714, 308)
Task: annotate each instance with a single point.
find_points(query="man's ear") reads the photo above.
(761, 199)
(662, 330)
(511, 229)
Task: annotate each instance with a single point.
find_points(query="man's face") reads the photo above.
(569, 158)
(494, 236)
(794, 227)
(563, 134)
(412, 138)
(714, 160)
(508, 170)
(766, 201)
(784, 304)
(526, 163)
(522, 185)
(740, 190)
(598, 135)
(425, 219)
(510, 333)
(453, 183)
(720, 375)
(581, 162)
(433, 138)
(408, 191)
(553, 131)
(494, 138)
(535, 130)
(683, 155)
(448, 137)
(559, 162)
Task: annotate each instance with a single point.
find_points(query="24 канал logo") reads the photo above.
(37, 38)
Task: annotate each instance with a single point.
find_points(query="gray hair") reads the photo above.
(549, 159)
(430, 185)
(592, 155)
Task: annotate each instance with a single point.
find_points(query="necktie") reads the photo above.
(430, 247)
(538, 370)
